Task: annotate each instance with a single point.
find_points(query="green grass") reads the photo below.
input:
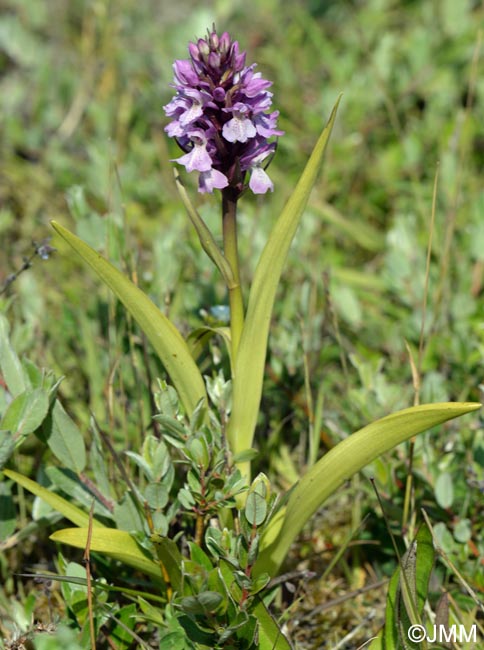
(82, 142)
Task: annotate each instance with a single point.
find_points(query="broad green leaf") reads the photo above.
(26, 412)
(249, 364)
(70, 511)
(117, 544)
(340, 463)
(163, 335)
(64, 439)
(10, 365)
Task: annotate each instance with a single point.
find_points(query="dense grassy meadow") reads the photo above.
(380, 307)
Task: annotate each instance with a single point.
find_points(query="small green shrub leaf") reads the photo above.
(444, 490)
(156, 496)
(255, 508)
(7, 446)
(64, 439)
(10, 365)
(26, 412)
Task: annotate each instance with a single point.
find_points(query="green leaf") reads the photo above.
(121, 635)
(199, 556)
(444, 490)
(127, 514)
(245, 456)
(171, 558)
(7, 446)
(67, 482)
(156, 495)
(64, 439)
(10, 365)
(23, 416)
(407, 592)
(26, 412)
(203, 603)
(255, 509)
(117, 544)
(250, 361)
(163, 335)
(8, 518)
(339, 464)
(201, 637)
(270, 634)
(70, 512)
(205, 236)
(198, 339)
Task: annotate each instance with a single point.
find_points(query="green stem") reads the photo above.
(236, 303)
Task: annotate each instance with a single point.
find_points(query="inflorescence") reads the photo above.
(220, 116)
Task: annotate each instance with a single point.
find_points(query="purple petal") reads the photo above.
(198, 159)
(259, 181)
(239, 128)
(266, 124)
(210, 180)
(174, 129)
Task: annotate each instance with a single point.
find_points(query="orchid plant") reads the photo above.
(222, 119)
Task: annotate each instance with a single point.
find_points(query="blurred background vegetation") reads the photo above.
(82, 89)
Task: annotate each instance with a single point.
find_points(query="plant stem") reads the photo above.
(236, 303)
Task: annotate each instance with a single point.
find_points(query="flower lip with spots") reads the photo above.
(220, 117)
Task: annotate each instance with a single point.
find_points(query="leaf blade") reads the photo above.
(344, 460)
(117, 544)
(160, 331)
(249, 364)
(70, 511)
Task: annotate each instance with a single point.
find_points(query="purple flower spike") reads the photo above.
(220, 117)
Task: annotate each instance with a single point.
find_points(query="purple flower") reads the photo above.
(220, 117)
